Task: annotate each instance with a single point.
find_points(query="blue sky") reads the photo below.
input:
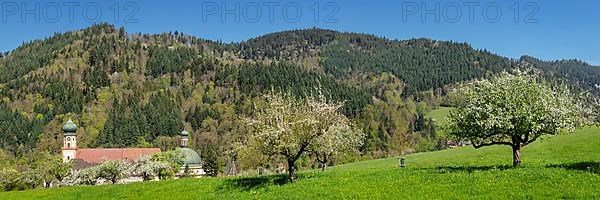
(545, 29)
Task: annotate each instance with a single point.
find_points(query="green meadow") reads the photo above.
(558, 167)
(440, 114)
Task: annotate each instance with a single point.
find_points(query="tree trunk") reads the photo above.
(323, 166)
(516, 155)
(291, 170)
(323, 162)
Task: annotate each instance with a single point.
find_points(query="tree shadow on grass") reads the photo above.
(593, 167)
(250, 183)
(468, 169)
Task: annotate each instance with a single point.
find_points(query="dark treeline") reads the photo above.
(253, 80)
(131, 124)
(18, 133)
(421, 63)
(585, 76)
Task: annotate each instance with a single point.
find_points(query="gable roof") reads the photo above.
(95, 156)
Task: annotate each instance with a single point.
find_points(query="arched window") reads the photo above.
(68, 157)
(69, 145)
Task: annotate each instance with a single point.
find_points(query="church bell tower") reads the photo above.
(69, 148)
(184, 139)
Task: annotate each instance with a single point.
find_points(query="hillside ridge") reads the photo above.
(140, 90)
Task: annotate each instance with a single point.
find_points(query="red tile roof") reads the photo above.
(94, 156)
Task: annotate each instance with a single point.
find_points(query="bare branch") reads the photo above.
(490, 144)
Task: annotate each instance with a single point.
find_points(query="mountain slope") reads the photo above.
(582, 74)
(141, 90)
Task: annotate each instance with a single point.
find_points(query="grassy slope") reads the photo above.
(440, 114)
(566, 166)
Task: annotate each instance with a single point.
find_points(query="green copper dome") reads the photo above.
(70, 127)
(190, 156)
(184, 133)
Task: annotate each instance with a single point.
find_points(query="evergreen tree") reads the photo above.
(210, 160)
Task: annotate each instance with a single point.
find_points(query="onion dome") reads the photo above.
(70, 127)
(184, 133)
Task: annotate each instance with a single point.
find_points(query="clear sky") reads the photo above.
(545, 29)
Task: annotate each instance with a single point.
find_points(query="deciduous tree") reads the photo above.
(148, 169)
(88, 176)
(114, 170)
(340, 137)
(288, 126)
(513, 110)
(173, 160)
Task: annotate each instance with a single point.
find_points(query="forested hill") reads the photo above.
(139, 90)
(583, 74)
(422, 64)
